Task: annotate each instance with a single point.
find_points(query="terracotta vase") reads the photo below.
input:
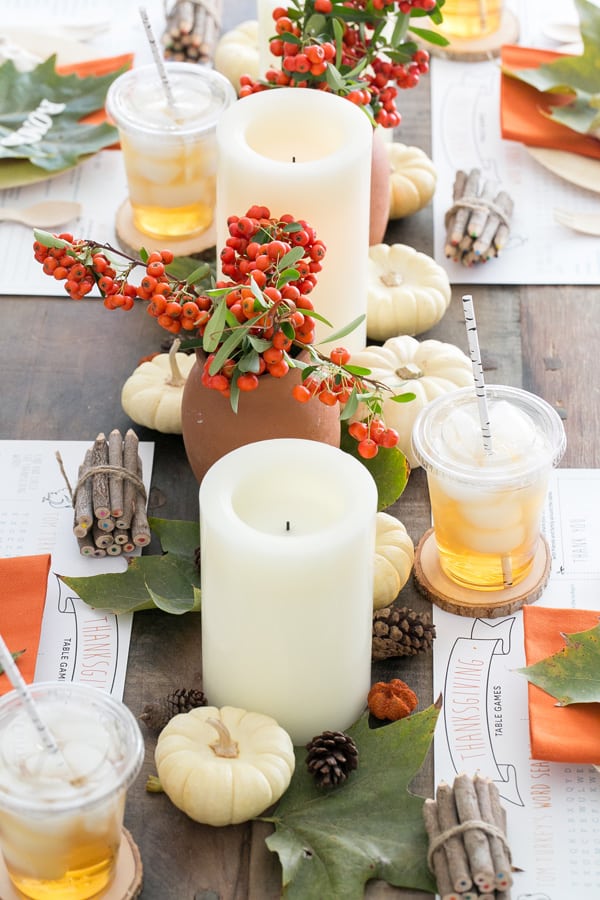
(380, 190)
(211, 428)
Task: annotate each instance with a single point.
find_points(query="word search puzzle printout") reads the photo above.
(77, 643)
(553, 809)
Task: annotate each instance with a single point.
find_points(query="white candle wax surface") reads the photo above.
(306, 153)
(287, 551)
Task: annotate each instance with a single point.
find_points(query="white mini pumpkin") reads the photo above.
(224, 766)
(413, 178)
(152, 394)
(424, 368)
(236, 53)
(394, 557)
(407, 293)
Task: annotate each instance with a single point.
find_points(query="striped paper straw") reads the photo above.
(475, 355)
(17, 681)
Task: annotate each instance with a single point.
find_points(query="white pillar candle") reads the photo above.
(307, 153)
(287, 531)
(266, 30)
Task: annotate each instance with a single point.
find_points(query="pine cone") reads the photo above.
(331, 757)
(400, 631)
(157, 714)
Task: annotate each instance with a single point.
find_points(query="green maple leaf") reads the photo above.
(66, 140)
(576, 75)
(573, 674)
(389, 469)
(331, 843)
(167, 581)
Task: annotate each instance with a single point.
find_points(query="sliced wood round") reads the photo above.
(131, 239)
(435, 585)
(480, 49)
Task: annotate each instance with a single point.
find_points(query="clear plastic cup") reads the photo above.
(170, 154)
(487, 509)
(61, 815)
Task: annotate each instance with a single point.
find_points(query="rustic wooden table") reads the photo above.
(62, 365)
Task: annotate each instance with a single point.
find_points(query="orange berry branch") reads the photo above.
(254, 322)
(363, 50)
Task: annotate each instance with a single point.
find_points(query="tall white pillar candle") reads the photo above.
(287, 532)
(266, 30)
(307, 153)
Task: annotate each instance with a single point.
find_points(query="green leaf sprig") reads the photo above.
(15, 655)
(67, 139)
(578, 76)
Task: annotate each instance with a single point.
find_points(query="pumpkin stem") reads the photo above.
(409, 371)
(391, 279)
(224, 746)
(153, 785)
(176, 379)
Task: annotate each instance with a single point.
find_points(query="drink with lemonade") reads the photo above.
(487, 508)
(169, 151)
(61, 814)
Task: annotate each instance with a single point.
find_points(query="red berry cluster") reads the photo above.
(372, 435)
(266, 316)
(332, 383)
(307, 59)
(65, 266)
(272, 266)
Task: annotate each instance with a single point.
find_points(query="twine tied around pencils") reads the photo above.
(119, 471)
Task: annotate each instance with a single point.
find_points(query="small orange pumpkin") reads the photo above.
(391, 700)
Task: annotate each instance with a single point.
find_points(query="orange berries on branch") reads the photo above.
(254, 322)
(344, 46)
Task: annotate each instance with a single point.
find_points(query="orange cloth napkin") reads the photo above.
(23, 582)
(559, 733)
(90, 67)
(522, 106)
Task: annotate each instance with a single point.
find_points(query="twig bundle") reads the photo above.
(478, 223)
(192, 30)
(109, 500)
(468, 851)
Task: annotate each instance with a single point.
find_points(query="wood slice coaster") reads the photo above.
(126, 885)
(131, 238)
(479, 49)
(435, 585)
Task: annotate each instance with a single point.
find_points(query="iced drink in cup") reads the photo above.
(170, 152)
(471, 19)
(487, 507)
(61, 814)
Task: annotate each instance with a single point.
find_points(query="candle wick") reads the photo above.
(293, 159)
(287, 526)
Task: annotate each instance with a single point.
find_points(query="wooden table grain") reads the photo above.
(62, 365)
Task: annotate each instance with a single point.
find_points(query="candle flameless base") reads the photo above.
(126, 884)
(435, 585)
(131, 238)
(479, 49)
